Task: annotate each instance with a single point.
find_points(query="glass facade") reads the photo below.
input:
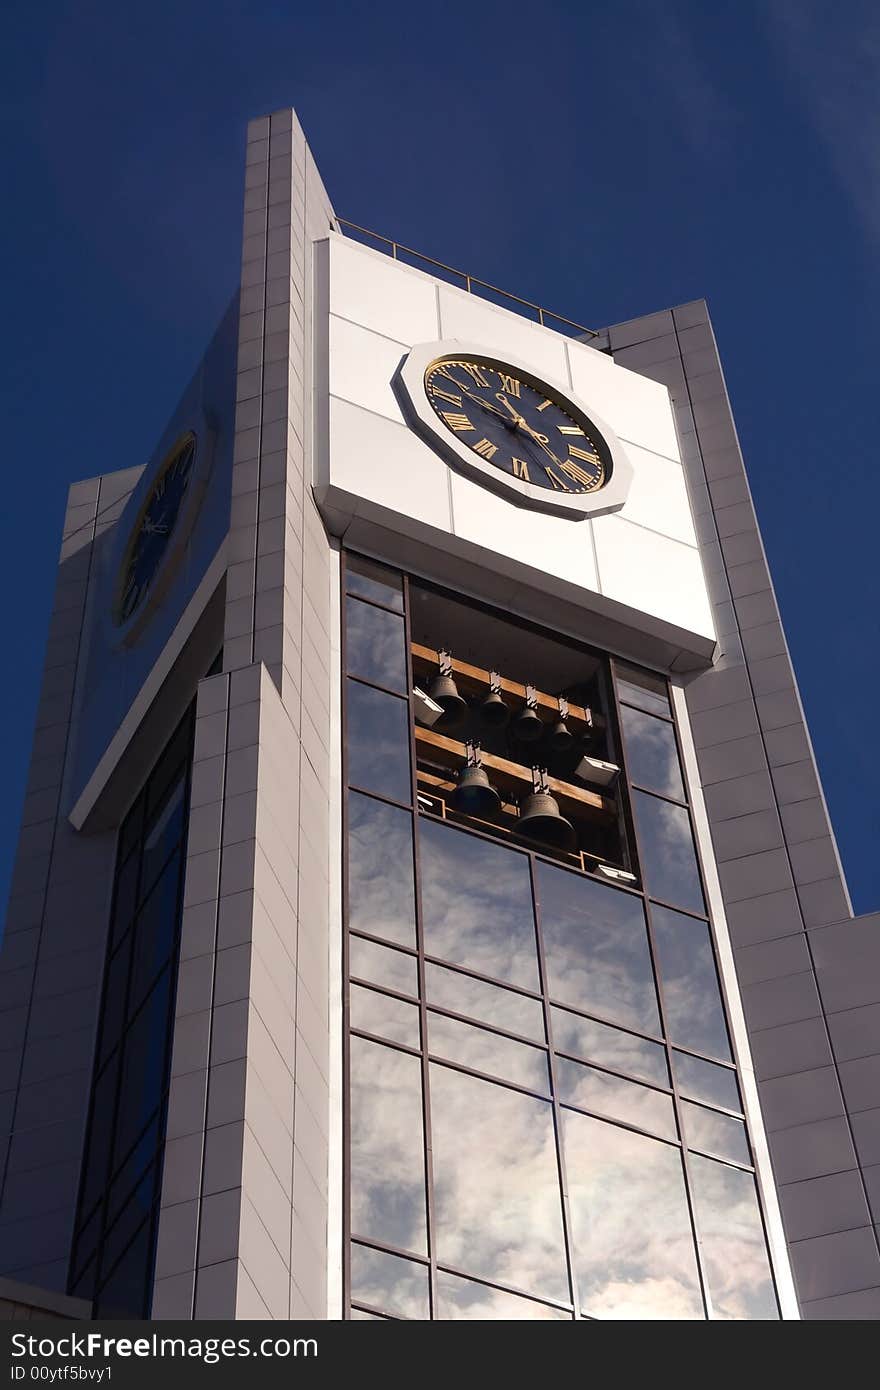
(543, 1117)
(122, 1169)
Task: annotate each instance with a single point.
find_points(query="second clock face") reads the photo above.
(153, 531)
(516, 426)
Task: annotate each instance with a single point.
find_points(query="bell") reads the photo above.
(528, 726)
(475, 795)
(444, 691)
(493, 710)
(561, 737)
(541, 820)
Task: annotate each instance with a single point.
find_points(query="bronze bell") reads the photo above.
(561, 737)
(475, 795)
(528, 726)
(445, 692)
(493, 710)
(541, 820)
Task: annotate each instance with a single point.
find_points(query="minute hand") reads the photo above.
(477, 400)
(522, 423)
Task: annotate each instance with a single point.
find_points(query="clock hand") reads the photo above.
(483, 404)
(522, 423)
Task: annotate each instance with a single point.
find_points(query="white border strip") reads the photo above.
(775, 1233)
(335, 1127)
(137, 710)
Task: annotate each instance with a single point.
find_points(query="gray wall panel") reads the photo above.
(809, 973)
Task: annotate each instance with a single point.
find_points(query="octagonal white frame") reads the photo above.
(409, 387)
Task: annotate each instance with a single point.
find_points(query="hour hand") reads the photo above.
(484, 405)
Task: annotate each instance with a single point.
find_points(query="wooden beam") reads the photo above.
(517, 778)
(476, 681)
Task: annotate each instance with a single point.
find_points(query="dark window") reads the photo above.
(691, 994)
(669, 860)
(375, 645)
(381, 892)
(378, 742)
(633, 1248)
(596, 944)
(519, 1008)
(477, 905)
(121, 1175)
(497, 1204)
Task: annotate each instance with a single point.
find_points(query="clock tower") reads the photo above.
(426, 905)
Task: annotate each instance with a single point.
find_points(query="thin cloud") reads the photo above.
(833, 55)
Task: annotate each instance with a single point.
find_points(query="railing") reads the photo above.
(503, 298)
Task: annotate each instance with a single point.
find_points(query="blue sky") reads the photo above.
(604, 160)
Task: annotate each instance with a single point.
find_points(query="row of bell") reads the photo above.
(527, 725)
(540, 818)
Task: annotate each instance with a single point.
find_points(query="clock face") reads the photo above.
(516, 426)
(154, 529)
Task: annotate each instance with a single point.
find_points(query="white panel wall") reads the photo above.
(642, 561)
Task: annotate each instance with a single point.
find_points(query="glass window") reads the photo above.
(610, 1047)
(515, 1013)
(375, 645)
(669, 861)
(596, 945)
(378, 742)
(383, 966)
(358, 1315)
(460, 1299)
(477, 904)
(131, 1214)
(651, 754)
(715, 1133)
(611, 1095)
(389, 1282)
(170, 766)
(706, 1081)
(113, 1016)
(381, 892)
(126, 897)
(155, 932)
(377, 1013)
(129, 1089)
(691, 995)
(143, 1067)
(496, 1184)
(481, 1050)
(633, 1246)
(732, 1238)
(375, 581)
(124, 1294)
(100, 1136)
(163, 835)
(387, 1146)
(130, 832)
(140, 1158)
(642, 688)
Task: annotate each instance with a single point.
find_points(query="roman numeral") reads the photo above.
(446, 396)
(583, 454)
(459, 423)
(578, 474)
(486, 448)
(521, 469)
(558, 484)
(509, 384)
(474, 372)
(544, 406)
(569, 429)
